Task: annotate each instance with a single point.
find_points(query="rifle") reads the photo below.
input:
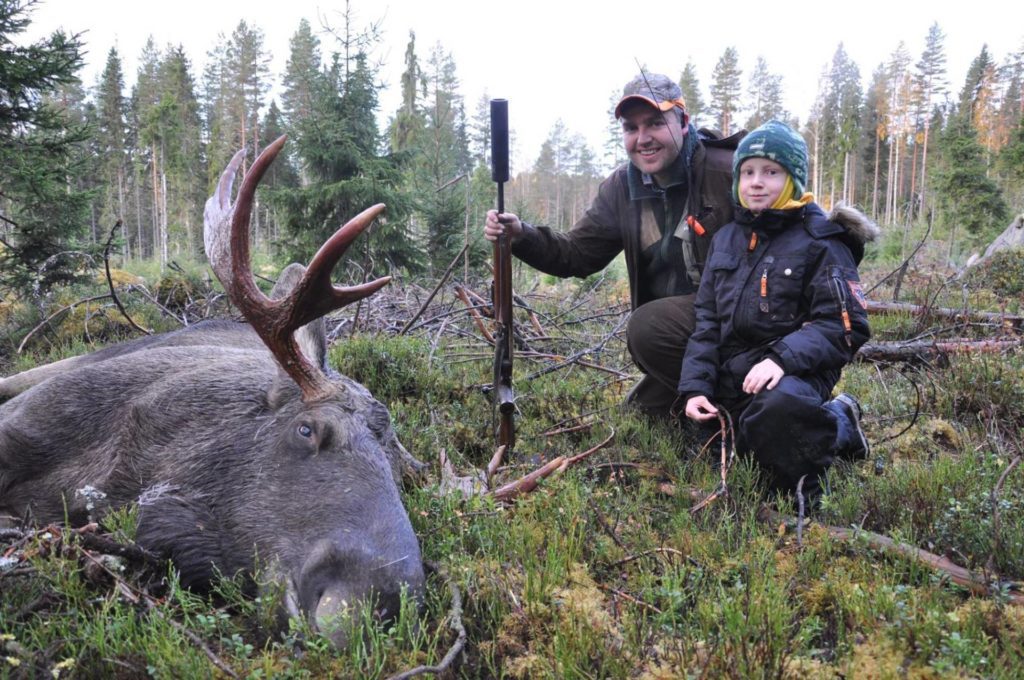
(501, 291)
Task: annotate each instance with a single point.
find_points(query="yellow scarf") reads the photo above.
(786, 200)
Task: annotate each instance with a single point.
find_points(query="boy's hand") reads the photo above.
(764, 375)
(699, 408)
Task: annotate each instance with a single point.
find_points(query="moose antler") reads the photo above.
(276, 321)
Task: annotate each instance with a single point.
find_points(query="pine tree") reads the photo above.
(725, 90)
(900, 127)
(931, 84)
(764, 90)
(690, 86)
(978, 99)
(42, 213)
(1011, 167)
(839, 129)
(875, 139)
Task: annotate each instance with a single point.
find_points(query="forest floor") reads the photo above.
(616, 565)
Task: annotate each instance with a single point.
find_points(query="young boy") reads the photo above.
(780, 311)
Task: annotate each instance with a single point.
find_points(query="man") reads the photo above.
(661, 208)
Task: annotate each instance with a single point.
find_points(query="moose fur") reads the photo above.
(235, 463)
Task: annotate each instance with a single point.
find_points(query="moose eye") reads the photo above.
(305, 431)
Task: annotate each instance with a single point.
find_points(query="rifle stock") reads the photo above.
(504, 397)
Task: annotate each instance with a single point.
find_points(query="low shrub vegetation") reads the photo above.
(605, 571)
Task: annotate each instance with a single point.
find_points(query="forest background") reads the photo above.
(610, 570)
(901, 141)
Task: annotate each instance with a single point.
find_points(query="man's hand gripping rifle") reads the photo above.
(504, 399)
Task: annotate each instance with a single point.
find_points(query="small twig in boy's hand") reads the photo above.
(996, 536)
(728, 449)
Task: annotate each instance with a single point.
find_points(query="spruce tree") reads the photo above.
(182, 153)
(968, 201)
(690, 87)
(42, 212)
(111, 141)
(300, 75)
(337, 145)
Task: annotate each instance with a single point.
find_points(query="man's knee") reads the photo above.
(659, 329)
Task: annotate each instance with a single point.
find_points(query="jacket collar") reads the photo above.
(642, 184)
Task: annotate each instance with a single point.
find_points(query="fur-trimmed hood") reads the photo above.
(856, 223)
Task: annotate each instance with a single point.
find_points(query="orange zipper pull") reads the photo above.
(764, 282)
(753, 241)
(697, 227)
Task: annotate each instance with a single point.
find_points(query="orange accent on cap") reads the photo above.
(664, 105)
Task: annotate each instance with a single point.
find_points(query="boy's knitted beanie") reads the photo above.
(777, 142)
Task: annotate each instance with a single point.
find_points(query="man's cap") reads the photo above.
(777, 142)
(654, 89)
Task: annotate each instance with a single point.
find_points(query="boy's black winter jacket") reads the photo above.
(781, 284)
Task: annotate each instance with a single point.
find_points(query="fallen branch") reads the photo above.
(495, 461)
(566, 430)
(47, 320)
(572, 460)
(441, 282)
(110, 281)
(962, 315)
(477, 319)
(646, 553)
(626, 596)
(924, 350)
(529, 482)
(976, 583)
(569, 361)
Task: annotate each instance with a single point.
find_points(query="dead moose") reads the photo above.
(234, 453)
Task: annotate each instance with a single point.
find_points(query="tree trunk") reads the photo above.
(155, 221)
(924, 163)
(874, 190)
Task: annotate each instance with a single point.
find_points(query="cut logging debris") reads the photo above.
(1007, 321)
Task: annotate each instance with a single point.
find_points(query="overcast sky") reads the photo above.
(561, 60)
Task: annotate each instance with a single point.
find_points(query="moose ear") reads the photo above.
(311, 338)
